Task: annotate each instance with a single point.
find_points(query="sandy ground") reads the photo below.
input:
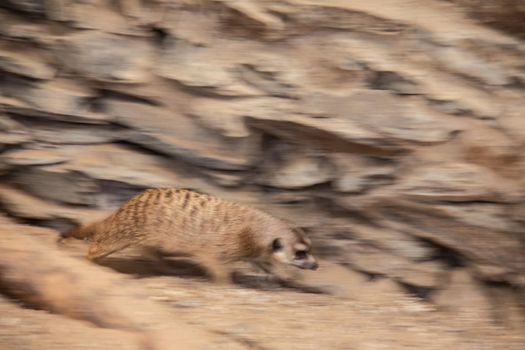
(254, 314)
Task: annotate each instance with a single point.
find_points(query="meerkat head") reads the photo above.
(293, 248)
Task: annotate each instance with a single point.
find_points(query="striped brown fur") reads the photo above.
(215, 231)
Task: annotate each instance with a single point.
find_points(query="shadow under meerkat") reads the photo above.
(215, 232)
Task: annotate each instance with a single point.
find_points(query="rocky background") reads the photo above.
(393, 132)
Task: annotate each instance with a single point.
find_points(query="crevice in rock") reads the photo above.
(467, 202)
(343, 235)
(21, 295)
(500, 294)
(7, 148)
(159, 36)
(507, 16)
(449, 256)
(236, 23)
(322, 139)
(38, 121)
(93, 104)
(114, 193)
(316, 188)
(393, 81)
(335, 210)
(424, 293)
(265, 81)
(26, 9)
(451, 107)
(284, 17)
(61, 225)
(369, 275)
(251, 344)
(8, 80)
(122, 96)
(326, 249)
(178, 164)
(138, 147)
(204, 91)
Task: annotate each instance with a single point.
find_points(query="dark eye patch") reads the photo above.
(300, 254)
(277, 245)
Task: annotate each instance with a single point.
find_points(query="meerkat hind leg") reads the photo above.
(220, 273)
(154, 255)
(162, 264)
(277, 274)
(273, 274)
(98, 251)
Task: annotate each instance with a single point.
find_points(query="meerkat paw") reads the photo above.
(221, 275)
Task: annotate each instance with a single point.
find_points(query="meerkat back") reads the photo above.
(170, 219)
(213, 230)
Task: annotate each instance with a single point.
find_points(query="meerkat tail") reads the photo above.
(81, 231)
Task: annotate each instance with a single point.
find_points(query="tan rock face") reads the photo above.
(393, 133)
(503, 15)
(105, 57)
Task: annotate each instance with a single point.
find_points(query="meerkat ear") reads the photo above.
(277, 244)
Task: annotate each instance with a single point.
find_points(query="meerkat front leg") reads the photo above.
(273, 274)
(219, 272)
(98, 251)
(155, 255)
(221, 275)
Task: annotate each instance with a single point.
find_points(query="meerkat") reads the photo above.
(214, 231)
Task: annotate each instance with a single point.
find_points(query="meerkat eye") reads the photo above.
(300, 254)
(277, 245)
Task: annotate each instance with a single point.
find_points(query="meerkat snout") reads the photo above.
(294, 251)
(212, 230)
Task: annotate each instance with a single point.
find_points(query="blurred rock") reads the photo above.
(85, 175)
(10, 139)
(394, 82)
(227, 116)
(472, 66)
(97, 15)
(372, 260)
(32, 157)
(64, 100)
(456, 182)
(504, 15)
(491, 147)
(20, 29)
(25, 64)
(18, 328)
(463, 297)
(203, 67)
(302, 172)
(25, 206)
(58, 185)
(357, 174)
(399, 243)
(60, 133)
(290, 168)
(512, 121)
(484, 215)
(64, 285)
(33, 7)
(393, 134)
(11, 134)
(174, 134)
(500, 250)
(106, 57)
(392, 118)
(332, 135)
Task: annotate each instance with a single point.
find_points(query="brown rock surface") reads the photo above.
(155, 312)
(66, 286)
(392, 132)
